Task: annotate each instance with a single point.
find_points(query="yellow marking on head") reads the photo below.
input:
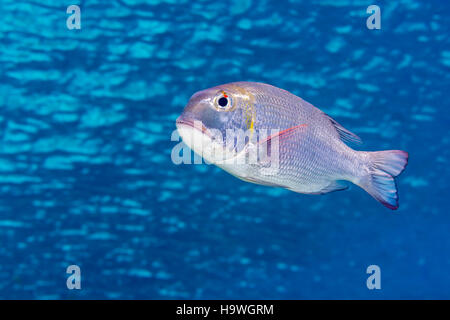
(250, 121)
(248, 102)
(249, 109)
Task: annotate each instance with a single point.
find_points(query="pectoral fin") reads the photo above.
(285, 134)
(273, 143)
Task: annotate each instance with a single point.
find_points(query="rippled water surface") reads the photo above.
(86, 176)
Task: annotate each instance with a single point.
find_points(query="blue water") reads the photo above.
(86, 176)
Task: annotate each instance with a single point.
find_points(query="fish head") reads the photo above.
(218, 122)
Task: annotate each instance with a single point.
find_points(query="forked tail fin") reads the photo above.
(380, 183)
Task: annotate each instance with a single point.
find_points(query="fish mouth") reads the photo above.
(195, 124)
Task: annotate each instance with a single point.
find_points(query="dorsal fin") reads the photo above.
(344, 134)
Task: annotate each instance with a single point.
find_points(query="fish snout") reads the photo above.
(189, 121)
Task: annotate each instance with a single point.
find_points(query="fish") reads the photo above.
(268, 136)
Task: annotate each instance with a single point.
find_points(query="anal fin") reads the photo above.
(332, 187)
(261, 182)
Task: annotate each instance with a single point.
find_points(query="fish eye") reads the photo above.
(223, 102)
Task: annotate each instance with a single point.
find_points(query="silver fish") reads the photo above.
(310, 148)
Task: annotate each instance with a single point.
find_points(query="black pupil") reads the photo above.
(223, 102)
